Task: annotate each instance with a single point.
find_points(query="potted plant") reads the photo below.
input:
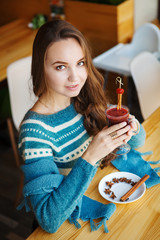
(103, 24)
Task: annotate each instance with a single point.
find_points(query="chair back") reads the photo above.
(20, 87)
(146, 38)
(145, 70)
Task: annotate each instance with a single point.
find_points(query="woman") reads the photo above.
(65, 134)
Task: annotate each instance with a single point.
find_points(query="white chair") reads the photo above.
(145, 70)
(118, 58)
(21, 93)
(22, 99)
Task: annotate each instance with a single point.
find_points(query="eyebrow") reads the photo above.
(61, 62)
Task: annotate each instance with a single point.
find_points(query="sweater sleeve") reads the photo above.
(55, 205)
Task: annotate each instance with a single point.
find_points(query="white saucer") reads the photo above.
(120, 188)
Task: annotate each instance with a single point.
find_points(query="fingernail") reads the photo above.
(123, 124)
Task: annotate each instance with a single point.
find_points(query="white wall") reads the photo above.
(144, 11)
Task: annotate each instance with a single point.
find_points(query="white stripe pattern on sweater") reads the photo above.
(34, 152)
(54, 129)
(57, 149)
(85, 144)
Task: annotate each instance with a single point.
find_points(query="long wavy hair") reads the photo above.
(91, 101)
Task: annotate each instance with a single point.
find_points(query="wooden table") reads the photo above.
(139, 220)
(16, 41)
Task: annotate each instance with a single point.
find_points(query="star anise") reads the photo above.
(113, 196)
(133, 183)
(128, 181)
(123, 179)
(107, 191)
(115, 180)
(109, 184)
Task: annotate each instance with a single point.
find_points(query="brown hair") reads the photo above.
(91, 101)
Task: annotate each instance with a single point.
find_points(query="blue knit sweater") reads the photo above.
(56, 177)
(60, 135)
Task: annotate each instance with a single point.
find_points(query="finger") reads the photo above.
(136, 127)
(117, 144)
(120, 140)
(127, 139)
(115, 127)
(134, 124)
(133, 127)
(131, 116)
(124, 130)
(116, 134)
(131, 119)
(130, 132)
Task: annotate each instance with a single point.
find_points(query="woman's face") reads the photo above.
(65, 68)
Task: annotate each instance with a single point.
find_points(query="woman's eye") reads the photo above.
(61, 67)
(81, 63)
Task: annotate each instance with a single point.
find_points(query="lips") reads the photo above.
(72, 87)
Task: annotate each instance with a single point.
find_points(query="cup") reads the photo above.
(115, 116)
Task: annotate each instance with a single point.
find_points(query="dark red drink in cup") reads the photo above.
(115, 115)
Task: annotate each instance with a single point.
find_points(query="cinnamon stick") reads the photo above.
(134, 188)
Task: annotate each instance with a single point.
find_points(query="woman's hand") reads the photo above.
(135, 126)
(106, 141)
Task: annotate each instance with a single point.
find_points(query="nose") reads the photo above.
(73, 76)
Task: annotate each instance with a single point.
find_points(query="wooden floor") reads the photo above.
(14, 224)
